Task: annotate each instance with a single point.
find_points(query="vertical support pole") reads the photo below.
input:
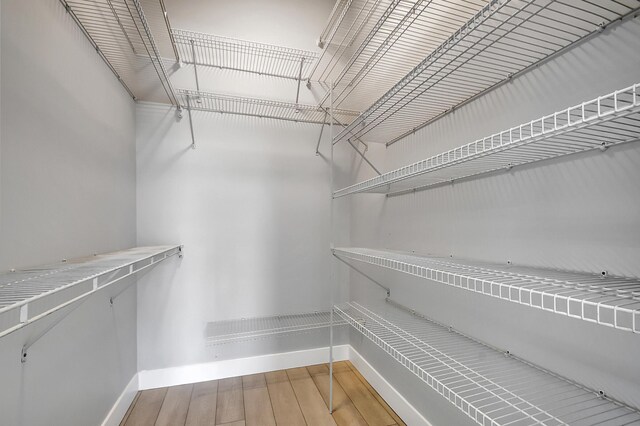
(193, 139)
(195, 70)
(299, 81)
(332, 278)
(320, 137)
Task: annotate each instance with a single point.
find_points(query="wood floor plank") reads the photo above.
(230, 403)
(344, 412)
(257, 403)
(311, 403)
(238, 423)
(147, 407)
(368, 406)
(202, 408)
(175, 406)
(283, 400)
(128, 413)
(382, 402)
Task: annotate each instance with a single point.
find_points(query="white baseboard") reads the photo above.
(119, 409)
(396, 401)
(150, 379)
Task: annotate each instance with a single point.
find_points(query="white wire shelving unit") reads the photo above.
(28, 295)
(369, 45)
(599, 123)
(241, 55)
(242, 330)
(505, 38)
(490, 386)
(600, 299)
(262, 108)
(120, 33)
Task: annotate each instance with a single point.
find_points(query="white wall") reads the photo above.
(67, 174)
(577, 213)
(250, 204)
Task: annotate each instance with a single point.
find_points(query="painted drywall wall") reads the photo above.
(250, 204)
(578, 213)
(67, 176)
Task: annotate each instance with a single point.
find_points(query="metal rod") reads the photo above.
(320, 137)
(193, 139)
(333, 279)
(387, 289)
(299, 80)
(195, 67)
(363, 157)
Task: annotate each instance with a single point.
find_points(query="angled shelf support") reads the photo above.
(490, 386)
(29, 295)
(605, 300)
(596, 124)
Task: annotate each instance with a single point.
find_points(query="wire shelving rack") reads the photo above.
(491, 387)
(30, 294)
(120, 33)
(241, 330)
(241, 55)
(262, 108)
(371, 44)
(503, 39)
(599, 123)
(600, 299)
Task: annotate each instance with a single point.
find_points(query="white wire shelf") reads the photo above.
(120, 33)
(489, 386)
(610, 119)
(241, 55)
(606, 300)
(503, 39)
(240, 330)
(262, 108)
(30, 294)
(369, 45)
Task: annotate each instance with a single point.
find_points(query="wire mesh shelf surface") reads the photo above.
(371, 44)
(119, 31)
(489, 386)
(503, 39)
(599, 123)
(262, 108)
(605, 300)
(241, 330)
(29, 294)
(241, 55)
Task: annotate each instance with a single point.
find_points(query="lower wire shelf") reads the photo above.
(245, 329)
(489, 386)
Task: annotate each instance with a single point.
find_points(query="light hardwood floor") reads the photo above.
(298, 396)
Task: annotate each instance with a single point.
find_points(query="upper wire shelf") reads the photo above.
(240, 330)
(489, 386)
(120, 33)
(30, 294)
(240, 55)
(371, 44)
(599, 123)
(262, 108)
(605, 300)
(505, 38)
